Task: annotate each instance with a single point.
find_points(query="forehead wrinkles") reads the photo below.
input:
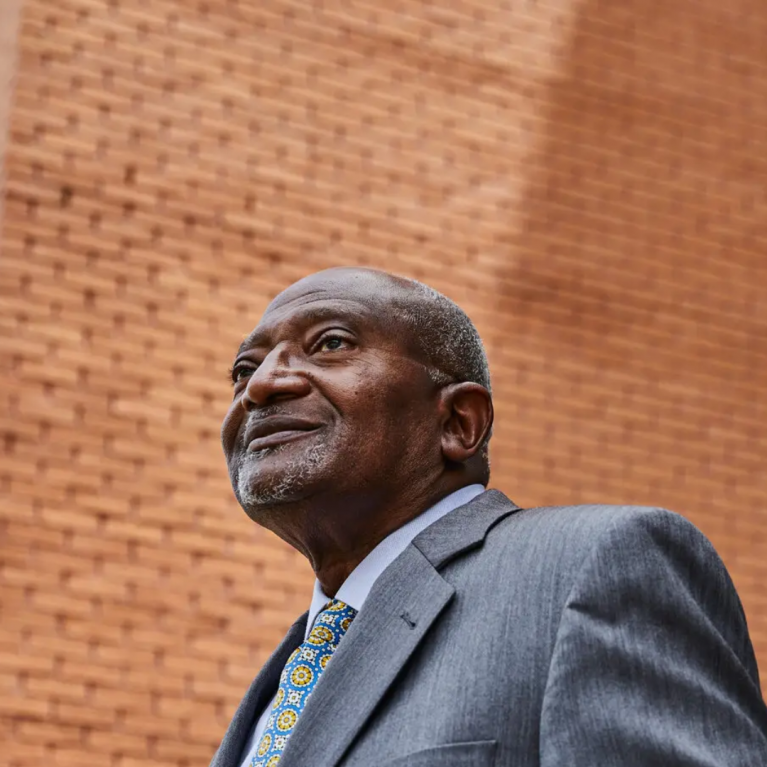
(295, 315)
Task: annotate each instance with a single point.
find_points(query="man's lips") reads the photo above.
(276, 430)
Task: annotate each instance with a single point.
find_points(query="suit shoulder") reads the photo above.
(564, 536)
(588, 552)
(584, 523)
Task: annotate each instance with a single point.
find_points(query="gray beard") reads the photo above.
(254, 491)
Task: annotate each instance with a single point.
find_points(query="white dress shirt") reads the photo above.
(355, 589)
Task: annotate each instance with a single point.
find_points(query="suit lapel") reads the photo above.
(464, 528)
(401, 607)
(256, 698)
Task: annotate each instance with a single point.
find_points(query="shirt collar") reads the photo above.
(356, 587)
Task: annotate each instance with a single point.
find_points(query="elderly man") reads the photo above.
(448, 626)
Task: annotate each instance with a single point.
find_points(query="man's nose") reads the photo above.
(274, 380)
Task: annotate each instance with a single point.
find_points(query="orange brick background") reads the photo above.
(588, 179)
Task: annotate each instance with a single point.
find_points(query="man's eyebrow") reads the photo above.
(303, 317)
(248, 343)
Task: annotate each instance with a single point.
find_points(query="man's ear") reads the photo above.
(467, 411)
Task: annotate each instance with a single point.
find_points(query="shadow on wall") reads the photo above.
(646, 225)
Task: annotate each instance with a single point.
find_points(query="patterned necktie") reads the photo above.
(299, 678)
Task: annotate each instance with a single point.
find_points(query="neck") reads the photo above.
(336, 534)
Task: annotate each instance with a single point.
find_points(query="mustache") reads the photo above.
(259, 415)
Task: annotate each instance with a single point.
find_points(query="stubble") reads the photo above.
(256, 486)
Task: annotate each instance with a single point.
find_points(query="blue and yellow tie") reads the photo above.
(299, 678)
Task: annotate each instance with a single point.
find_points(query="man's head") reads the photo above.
(359, 386)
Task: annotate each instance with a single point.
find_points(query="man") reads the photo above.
(449, 627)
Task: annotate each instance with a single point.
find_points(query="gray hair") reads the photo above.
(448, 340)
(447, 337)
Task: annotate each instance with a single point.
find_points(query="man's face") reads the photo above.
(327, 397)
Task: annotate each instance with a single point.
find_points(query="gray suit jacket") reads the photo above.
(573, 636)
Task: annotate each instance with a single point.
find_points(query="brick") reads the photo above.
(76, 757)
(58, 604)
(72, 713)
(18, 661)
(24, 754)
(47, 687)
(77, 671)
(23, 707)
(127, 744)
(151, 726)
(44, 732)
(177, 749)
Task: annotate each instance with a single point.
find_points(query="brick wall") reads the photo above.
(587, 179)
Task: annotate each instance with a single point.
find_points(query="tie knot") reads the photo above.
(337, 606)
(331, 624)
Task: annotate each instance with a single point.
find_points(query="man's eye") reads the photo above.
(240, 373)
(331, 344)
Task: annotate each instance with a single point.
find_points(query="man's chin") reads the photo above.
(275, 477)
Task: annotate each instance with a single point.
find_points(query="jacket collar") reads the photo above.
(463, 529)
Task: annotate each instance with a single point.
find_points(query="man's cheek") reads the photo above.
(229, 429)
